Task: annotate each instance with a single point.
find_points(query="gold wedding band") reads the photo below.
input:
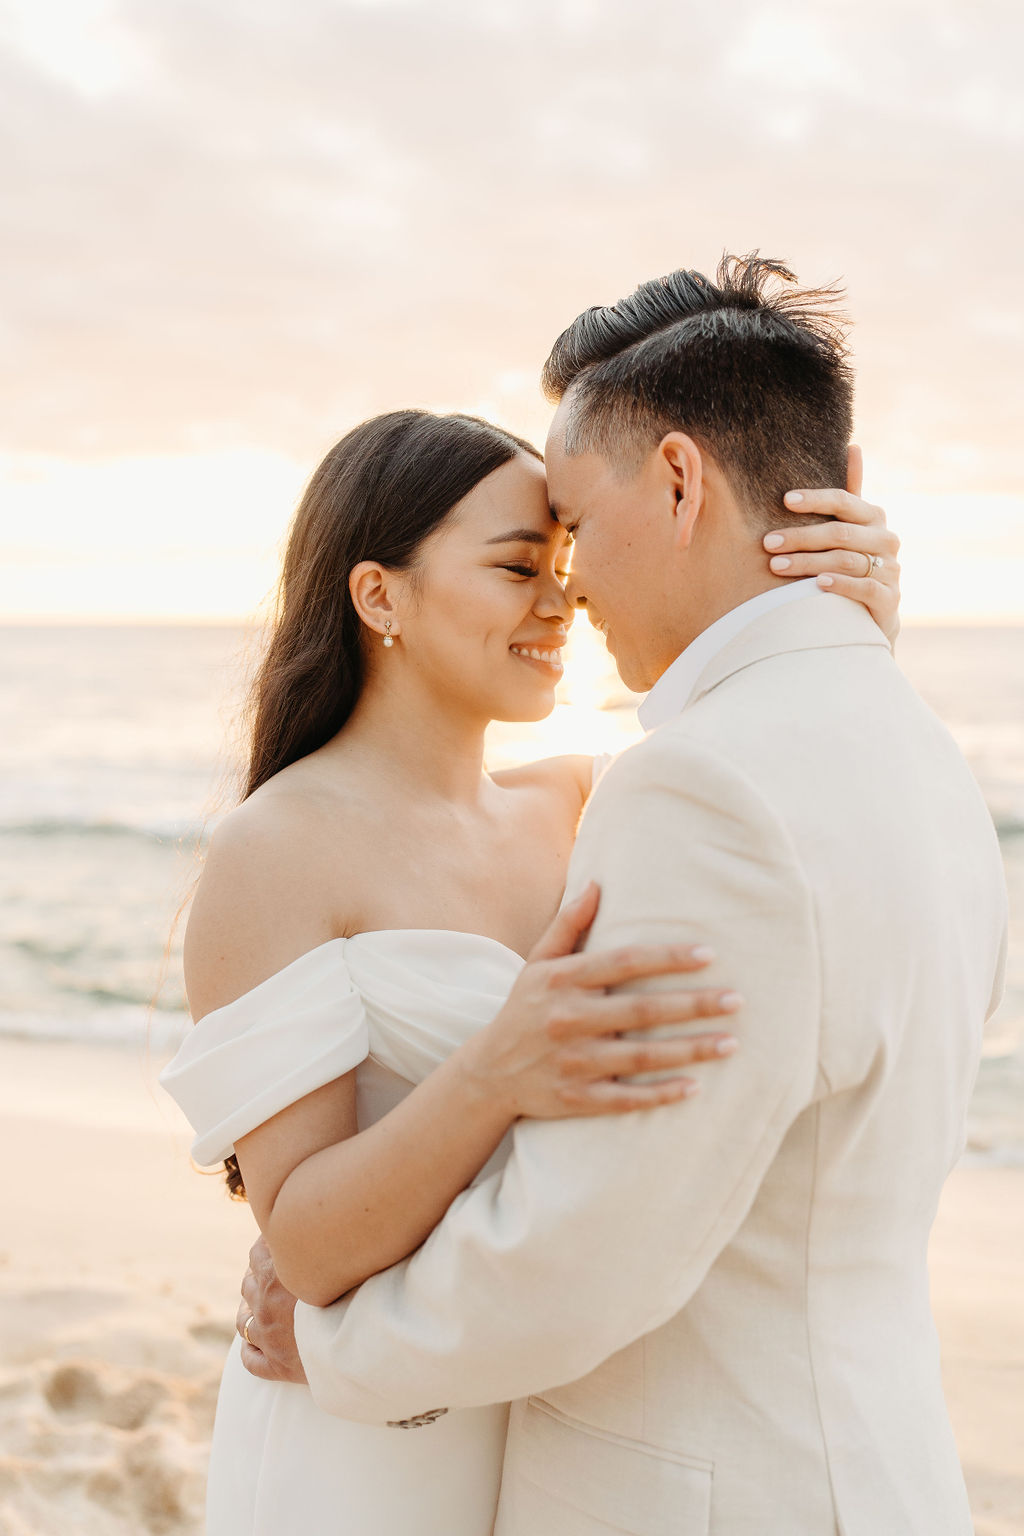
(871, 563)
(245, 1330)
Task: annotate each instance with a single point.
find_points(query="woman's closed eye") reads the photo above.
(531, 573)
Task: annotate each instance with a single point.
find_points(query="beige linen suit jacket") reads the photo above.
(715, 1315)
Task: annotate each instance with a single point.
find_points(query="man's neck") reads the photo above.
(718, 601)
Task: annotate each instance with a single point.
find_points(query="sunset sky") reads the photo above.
(231, 231)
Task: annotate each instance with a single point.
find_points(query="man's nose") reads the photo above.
(574, 593)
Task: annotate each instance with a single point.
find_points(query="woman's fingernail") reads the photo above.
(726, 1045)
(730, 1001)
(793, 497)
(825, 581)
(775, 541)
(702, 952)
(689, 1089)
(780, 563)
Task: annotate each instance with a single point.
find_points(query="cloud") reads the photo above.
(248, 226)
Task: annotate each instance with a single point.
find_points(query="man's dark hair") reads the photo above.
(750, 366)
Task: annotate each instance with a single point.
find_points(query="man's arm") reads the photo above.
(596, 1232)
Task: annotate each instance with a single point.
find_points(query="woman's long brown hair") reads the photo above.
(377, 495)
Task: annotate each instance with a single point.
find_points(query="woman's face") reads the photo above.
(484, 616)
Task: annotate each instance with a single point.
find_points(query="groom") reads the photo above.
(715, 1321)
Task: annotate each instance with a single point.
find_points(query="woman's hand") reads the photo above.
(842, 554)
(555, 1049)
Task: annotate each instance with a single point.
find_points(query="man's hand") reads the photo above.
(267, 1314)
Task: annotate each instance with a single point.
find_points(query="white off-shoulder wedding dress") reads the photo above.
(391, 1004)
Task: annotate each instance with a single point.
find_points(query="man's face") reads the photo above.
(624, 555)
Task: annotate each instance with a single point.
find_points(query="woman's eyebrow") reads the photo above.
(520, 536)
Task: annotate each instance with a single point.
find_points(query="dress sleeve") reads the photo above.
(301, 1028)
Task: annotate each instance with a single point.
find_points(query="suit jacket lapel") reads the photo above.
(821, 622)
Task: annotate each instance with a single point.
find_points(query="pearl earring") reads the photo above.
(388, 641)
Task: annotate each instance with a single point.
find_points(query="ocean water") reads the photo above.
(117, 749)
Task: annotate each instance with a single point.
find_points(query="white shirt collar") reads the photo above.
(674, 688)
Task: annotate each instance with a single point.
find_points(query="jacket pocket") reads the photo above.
(566, 1478)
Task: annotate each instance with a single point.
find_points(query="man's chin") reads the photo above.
(632, 675)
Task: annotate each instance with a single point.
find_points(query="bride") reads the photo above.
(381, 977)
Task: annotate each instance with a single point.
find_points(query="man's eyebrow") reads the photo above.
(520, 536)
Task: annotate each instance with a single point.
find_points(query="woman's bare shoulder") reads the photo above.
(270, 890)
(569, 776)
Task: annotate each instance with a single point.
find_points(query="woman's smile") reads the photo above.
(547, 657)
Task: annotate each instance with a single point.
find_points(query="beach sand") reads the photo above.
(119, 1273)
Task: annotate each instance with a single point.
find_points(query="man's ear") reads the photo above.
(372, 588)
(683, 466)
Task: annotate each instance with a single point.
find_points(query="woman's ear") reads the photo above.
(683, 465)
(372, 588)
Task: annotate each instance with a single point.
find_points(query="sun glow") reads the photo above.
(594, 714)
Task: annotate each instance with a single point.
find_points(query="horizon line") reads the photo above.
(253, 621)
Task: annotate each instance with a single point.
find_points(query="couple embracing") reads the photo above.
(639, 1127)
